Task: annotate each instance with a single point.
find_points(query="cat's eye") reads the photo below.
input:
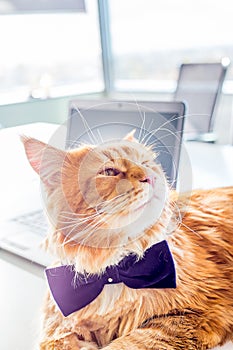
(110, 172)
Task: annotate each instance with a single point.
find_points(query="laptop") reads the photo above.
(159, 124)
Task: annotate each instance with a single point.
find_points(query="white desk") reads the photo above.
(22, 283)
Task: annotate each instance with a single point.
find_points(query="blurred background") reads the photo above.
(52, 51)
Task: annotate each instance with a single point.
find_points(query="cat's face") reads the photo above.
(100, 196)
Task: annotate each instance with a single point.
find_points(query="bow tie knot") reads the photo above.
(112, 275)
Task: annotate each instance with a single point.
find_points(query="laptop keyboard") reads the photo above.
(34, 221)
(24, 235)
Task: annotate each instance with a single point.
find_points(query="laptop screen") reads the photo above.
(159, 125)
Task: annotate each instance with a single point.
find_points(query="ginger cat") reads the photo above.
(111, 202)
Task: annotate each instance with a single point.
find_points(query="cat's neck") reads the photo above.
(97, 259)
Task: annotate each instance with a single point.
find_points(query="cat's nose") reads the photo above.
(150, 179)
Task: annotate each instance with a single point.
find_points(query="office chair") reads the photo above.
(199, 86)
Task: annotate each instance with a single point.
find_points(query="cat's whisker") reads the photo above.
(142, 115)
(71, 227)
(138, 106)
(172, 183)
(90, 229)
(157, 147)
(76, 217)
(152, 132)
(75, 220)
(69, 223)
(100, 136)
(142, 129)
(68, 219)
(86, 233)
(112, 199)
(71, 238)
(104, 206)
(107, 206)
(115, 207)
(146, 134)
(75, 224)
(87, 127)
(92, 223)
(73, 214)
(177, 217)
(170, 132)
(67, 226)
(174, 133)
(191, 230)
(169, 121)
(86, 239)
(142, 126)
(76, 143)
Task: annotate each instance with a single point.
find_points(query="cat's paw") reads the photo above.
(67, 342)
(88, 346)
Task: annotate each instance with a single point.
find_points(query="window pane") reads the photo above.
(11, 6)
(51, 54)
(150, 39)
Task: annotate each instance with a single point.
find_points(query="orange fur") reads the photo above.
(198, 314)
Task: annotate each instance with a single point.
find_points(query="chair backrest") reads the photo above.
(199, 86)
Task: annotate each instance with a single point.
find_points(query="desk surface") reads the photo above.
(22, 283)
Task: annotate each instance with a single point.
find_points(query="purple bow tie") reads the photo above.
(72, 291)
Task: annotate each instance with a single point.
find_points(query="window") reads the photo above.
(144, 43)
(150, 39)
(26, 6)
(47, 55)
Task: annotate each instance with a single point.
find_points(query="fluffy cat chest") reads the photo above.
(113, 298)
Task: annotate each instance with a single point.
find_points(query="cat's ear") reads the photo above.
(130, 136)
(46, 160)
